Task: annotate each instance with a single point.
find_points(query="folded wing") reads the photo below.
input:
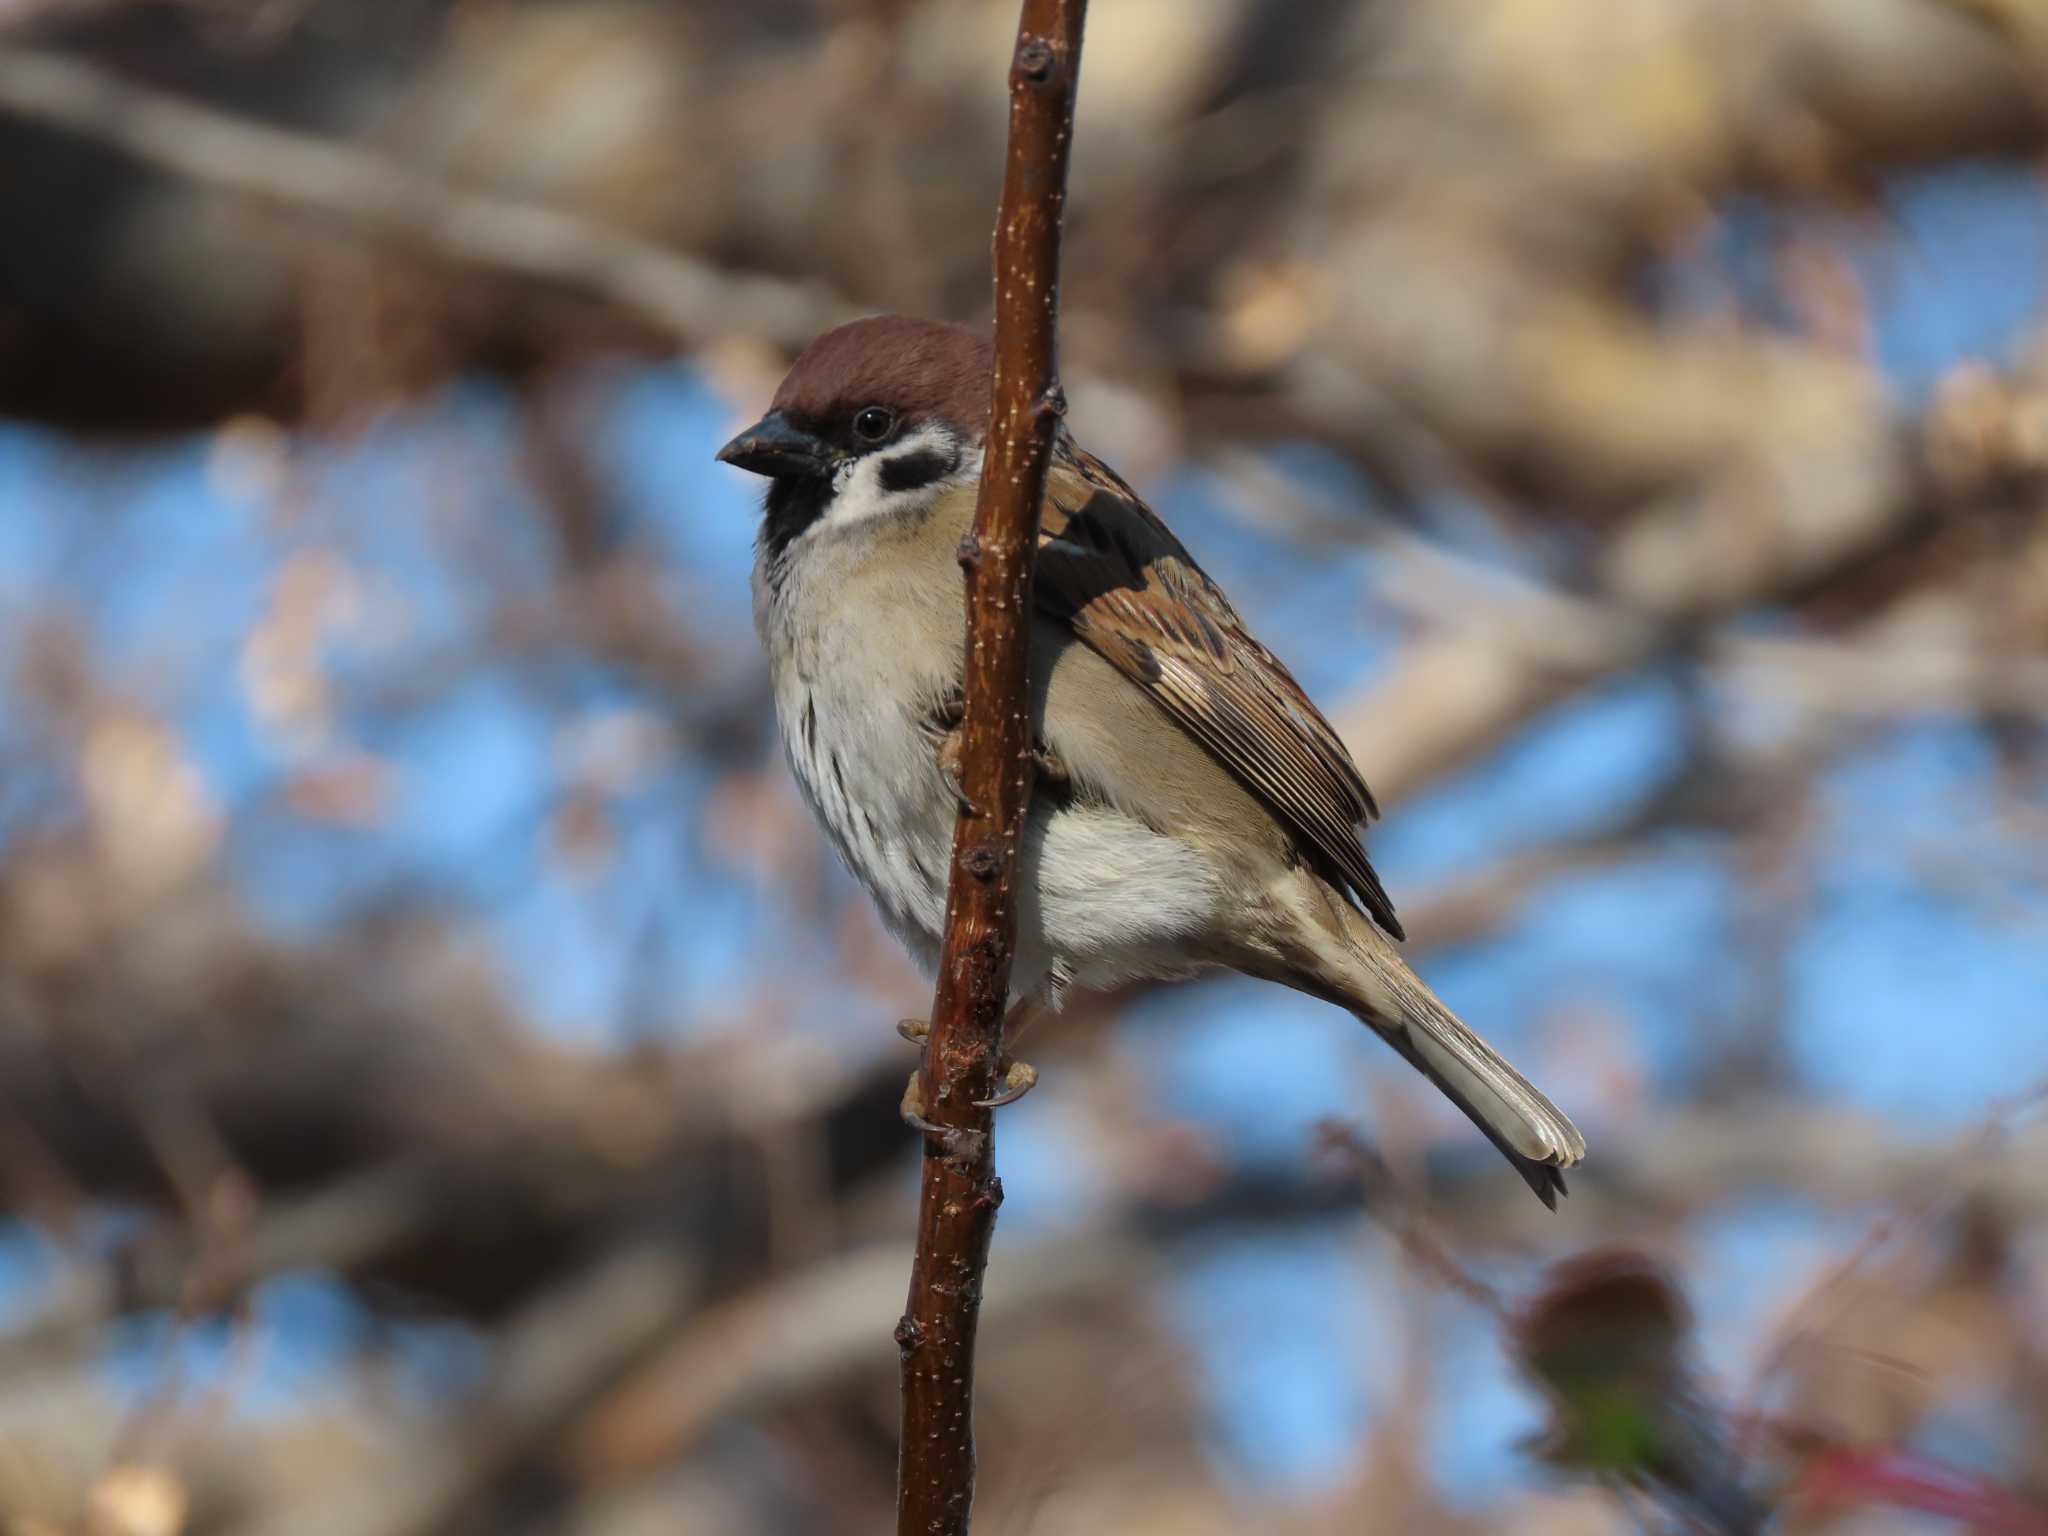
(1110, 570)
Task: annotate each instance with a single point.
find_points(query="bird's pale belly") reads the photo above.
(1104, 898)
(877, 792)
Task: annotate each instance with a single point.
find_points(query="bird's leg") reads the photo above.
(1019, 1077)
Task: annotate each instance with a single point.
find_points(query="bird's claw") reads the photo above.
(912, 1108)
(1050, 772)
(957, 1142)
(1019, 1078)
(952, 763)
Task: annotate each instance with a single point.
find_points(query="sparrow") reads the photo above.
(1197, 810)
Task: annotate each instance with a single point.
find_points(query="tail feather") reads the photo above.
(1530, 1131)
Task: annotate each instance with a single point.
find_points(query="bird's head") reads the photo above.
(875, 419)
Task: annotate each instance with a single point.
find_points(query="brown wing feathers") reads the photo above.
(1114, 573)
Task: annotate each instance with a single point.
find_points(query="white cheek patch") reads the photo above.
(903, 479)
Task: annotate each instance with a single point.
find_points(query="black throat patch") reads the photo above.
(794, 503)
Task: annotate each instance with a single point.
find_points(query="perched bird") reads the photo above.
(1197, 810)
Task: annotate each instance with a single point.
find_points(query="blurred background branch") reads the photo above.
(379, 200)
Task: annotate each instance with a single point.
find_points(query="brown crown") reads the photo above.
(918, 368)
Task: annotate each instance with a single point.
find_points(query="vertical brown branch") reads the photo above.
(960, 1192)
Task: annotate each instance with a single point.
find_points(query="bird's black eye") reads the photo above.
(872, 423)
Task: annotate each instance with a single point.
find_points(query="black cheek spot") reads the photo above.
(913, 471)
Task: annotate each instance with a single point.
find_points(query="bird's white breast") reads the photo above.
(854, 682)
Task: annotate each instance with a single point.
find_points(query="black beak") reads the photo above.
(777, 447)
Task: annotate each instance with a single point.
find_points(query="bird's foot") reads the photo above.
(1019, 1077)
(963, 1144)
(952, 763)
(946, 722)
(912, 1108)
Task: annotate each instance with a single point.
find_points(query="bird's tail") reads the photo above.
(1531, 1132)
